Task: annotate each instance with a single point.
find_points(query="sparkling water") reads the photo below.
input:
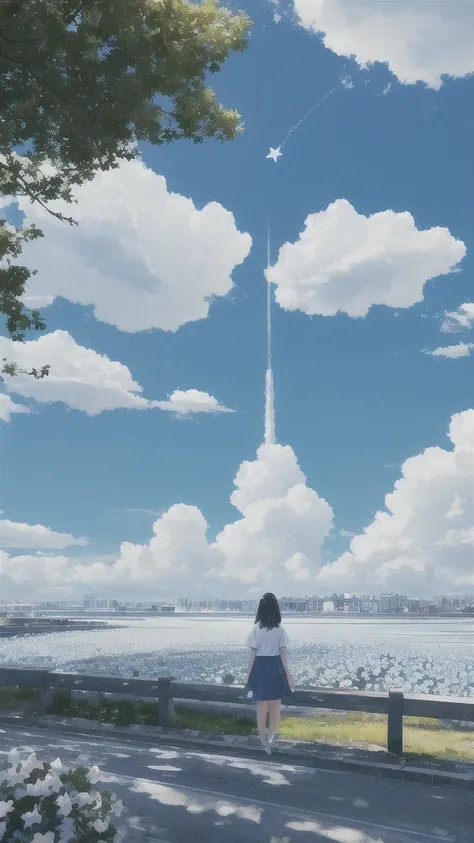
(424, 656)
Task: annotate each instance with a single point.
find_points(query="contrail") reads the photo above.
(276, 153)
(309, 113)
(269, 393)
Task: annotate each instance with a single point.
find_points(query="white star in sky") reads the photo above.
(274, 154)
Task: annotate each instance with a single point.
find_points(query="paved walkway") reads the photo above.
(178, 795)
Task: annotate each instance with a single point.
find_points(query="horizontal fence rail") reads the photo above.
(165, 690)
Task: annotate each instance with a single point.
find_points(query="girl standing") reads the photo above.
(268, 678)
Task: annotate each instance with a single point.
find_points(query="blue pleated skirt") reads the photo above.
(268, 680)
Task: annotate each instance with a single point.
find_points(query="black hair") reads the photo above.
(268, 612)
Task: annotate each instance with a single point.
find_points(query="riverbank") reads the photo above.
(42, 626)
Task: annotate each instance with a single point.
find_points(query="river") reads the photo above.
(433, 656)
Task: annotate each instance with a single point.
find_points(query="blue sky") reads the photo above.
(355, 397)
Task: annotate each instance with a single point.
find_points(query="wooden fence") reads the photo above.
(165, 690)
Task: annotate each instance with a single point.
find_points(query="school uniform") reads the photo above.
(268, 679)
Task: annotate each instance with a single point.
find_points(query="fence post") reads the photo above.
(395, 722)
(166, 713)
(47, 692)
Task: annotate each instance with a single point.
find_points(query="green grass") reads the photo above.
(423, 738)
(222, 724)
(12, 695)
(120, 712)
(125, 712)
(420, 737)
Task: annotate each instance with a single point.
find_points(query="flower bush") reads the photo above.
(49, 803)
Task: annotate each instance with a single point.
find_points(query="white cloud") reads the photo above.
(35, 302)
(42, 575)
(419, 41)
(460, 319)
(8, 407)
(80, 377)
(17, 534)
(345, 261)
(85, 380)
(187, 401)
(275, 543)
(284, 523)
(422, 543)
(461, 349)
(142, 256)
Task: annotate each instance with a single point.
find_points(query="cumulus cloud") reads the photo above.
(41, 575)
(347, 262)
(422, 542)
(461, 349)
(459, 320)
(188, 401)
(275, 543)
(142, 256)
(79, 377)
(419, 41)
(8, 407)
(85, 380)
(17, 534)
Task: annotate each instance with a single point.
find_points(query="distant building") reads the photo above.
(329, 606)
(369, 605)
(94, 601)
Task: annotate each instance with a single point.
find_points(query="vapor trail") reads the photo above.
(269, 392)
(309, 113)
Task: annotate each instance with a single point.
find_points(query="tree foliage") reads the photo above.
(82, 82)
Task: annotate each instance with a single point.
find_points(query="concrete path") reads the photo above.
(176, 795)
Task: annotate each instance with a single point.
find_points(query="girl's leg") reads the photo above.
(274, 707)
(262, 708)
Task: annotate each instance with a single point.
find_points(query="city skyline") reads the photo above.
(383, 603)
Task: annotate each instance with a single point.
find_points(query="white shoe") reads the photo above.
(268, 748)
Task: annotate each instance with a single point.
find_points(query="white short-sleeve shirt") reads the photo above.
(267, 642)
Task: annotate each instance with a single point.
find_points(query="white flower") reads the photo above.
(83, 798)
(44, 787)
(101, 826)
(94, 775)
(14, 757)
(117, 808)
(31, 764)
(5, 808)
(58, 767)
(12, 777)
(31, 818)
(97, 797)
(64, 804)
(43, 838)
